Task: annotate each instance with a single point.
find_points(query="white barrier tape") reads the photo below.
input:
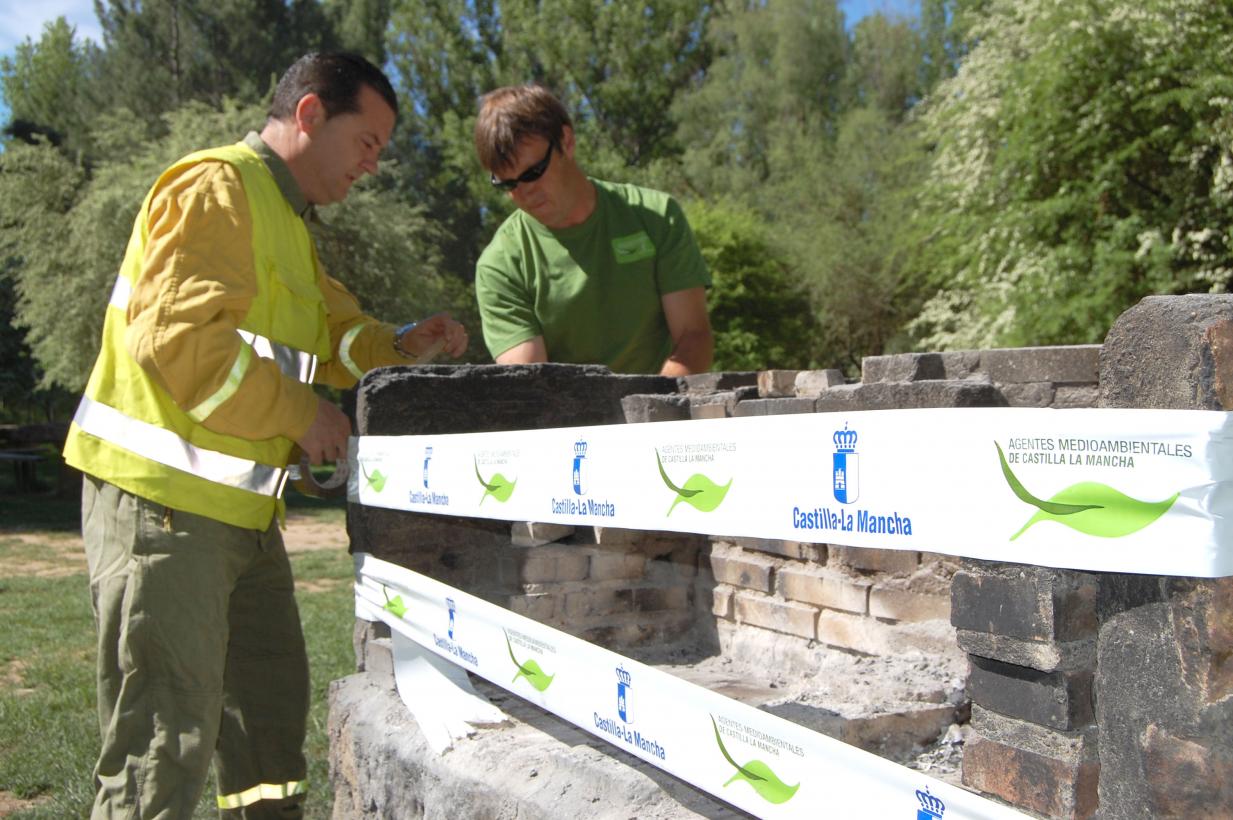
(439, 695)
(1144, 491)
(757, 761)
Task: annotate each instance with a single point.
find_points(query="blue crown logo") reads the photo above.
(845, 440)
(580, 452)
(931, 808)
(624, 685)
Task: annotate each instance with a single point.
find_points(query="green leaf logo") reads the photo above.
(699, 491)
(529, 670)
(499, 487)
(375, 479)
(757, 774)
(395, 604)
(1088, 507)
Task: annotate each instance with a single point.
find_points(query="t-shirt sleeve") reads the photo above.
(506, 305)
(680, 263)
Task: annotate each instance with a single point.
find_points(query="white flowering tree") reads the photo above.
(1082, 161)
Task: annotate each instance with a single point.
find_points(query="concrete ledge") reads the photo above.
(536, 765)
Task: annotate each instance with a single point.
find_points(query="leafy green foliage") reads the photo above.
(825, 163)
(69, 230)
(445, 54)
(759, 309)
(778, 72)
(159, 56)
(46, 85)
(992, 172)
(1082, 163)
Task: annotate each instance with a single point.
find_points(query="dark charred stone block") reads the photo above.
(1059, 700)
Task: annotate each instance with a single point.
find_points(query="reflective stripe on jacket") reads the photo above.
(129, 431)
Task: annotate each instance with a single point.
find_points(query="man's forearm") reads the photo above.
(693, 353)
(531, 351)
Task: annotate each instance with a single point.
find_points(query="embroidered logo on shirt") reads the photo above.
(633, 248)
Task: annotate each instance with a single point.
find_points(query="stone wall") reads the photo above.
(1101, 694)
(861, 600)
(1091, 694)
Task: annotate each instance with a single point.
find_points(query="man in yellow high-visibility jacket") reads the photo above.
(219, 321)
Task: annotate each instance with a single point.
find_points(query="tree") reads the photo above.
(843, 214)
(808, 127)
(616, 66)
(46, 86)
(778, 71)
(159, 56)
(1082, 162)
(884, 70)
(67, 233)
(760, 311)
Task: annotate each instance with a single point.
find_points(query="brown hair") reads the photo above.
(510, 114)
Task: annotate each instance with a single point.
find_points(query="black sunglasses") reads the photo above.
(530, 175)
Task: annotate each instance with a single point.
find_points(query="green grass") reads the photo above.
(48, 725)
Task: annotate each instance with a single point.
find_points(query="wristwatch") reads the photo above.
(398, 334)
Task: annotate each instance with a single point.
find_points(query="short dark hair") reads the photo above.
(335, 77)
(510, 114)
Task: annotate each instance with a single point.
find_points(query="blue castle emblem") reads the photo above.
(624, 684)
(449, 604)
(427, 458)
(847, 468)
(580, 452)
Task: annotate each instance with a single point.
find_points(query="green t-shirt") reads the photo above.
(593, 290)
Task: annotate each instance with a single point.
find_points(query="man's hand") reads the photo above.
(326, 439)
(436, 328)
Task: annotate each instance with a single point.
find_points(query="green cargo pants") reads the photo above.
(200, 655)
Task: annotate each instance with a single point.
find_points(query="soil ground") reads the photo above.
(52, 553)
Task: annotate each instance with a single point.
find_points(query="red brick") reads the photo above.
(771, 613)
(776, 383)
(658, 599)
(541, 565)
(610, 565)
(877, 560)
(799, 550)
(823, 589)
(537, 607)
(905, 605)
(1048, 786)
(740, 570)
(585, 603)
(712, 410)
(856, 632)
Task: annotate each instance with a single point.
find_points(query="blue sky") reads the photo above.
(20, 19)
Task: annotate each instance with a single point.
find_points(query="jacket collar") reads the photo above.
(282, 175)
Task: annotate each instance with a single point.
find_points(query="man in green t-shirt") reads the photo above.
(584, 271)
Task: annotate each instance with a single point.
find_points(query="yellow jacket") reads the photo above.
(220, 318)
